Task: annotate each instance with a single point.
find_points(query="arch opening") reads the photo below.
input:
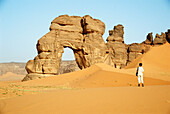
(68, 62)
(68, 54)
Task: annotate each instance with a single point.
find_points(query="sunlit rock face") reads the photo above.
(160, 39)
(117, 48)
(81, 34)
(84, 35)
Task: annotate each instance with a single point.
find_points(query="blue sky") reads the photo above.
(23, 22)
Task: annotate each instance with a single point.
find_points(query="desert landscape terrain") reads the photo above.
(99, 89)
(84, 57)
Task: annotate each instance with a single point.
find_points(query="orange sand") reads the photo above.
(99, 89)
(151, 100)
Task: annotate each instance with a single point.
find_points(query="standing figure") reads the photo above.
(140, 71)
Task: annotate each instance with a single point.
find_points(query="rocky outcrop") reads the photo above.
(117, 54)
(134, 50)
(65, 67)
(94, 48)
(160, 39)
(149, 39)
(82, 34)
(137, 49)
(168, 36)
(116, 34)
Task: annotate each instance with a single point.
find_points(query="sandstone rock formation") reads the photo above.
(160, 39)
(19, 69)
(134, 50)
(117, 54)
(168, 36)
(149, 39)
(65, 67)
(84, 36)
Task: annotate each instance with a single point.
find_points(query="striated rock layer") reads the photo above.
(84, 36)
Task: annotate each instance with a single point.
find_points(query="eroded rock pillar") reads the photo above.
(117, 49)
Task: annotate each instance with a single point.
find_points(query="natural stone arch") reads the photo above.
(82, 34)
(78, 54)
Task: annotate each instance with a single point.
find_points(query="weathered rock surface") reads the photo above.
(137, 49)
(116, 34)
(84, 36)
(117, 54)
(160, 39)
(149, 39)
(134, 50)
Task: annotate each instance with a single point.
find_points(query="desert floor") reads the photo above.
(99, 89)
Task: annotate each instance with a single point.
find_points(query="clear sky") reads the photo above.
(23, 22)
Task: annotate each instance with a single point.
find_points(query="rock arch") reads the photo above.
(81, 34)
(84, 36)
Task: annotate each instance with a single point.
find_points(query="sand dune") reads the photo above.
(158, 56)
(98, 92)
(98, 89)
(156, 62)
(113, 79)
(93, 77)
(151, 100)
